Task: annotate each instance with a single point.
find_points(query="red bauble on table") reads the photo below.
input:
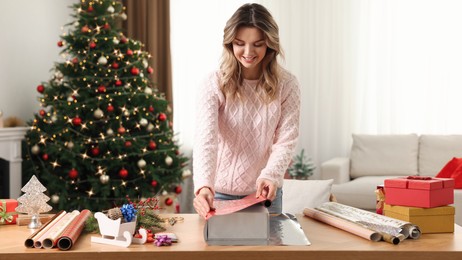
(152, 145)
(168, 201)
(178, 189)
(73, 173)
(162, 117)
(77, 121)
(123, 173)
(40, 88)
(135, 71)
(154, 183)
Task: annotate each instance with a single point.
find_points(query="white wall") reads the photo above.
(29, 32)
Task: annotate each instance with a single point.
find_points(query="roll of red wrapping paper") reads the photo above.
(38, 242)
(31, 239)
(73, 231)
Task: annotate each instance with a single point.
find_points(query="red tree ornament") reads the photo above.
(115, 65)
(118, 83)
(154, 183)
(45, 157)
(92, 45)
(85, 29)
(168, 201)
(60, 44)
(129, 52)
(150, 70)
(128, 144)
(77, 121)
(151, 109)
(95, 151)
(123, 40)
(121, 130)
(106, 26)
(178, 189)
(73, 174)
(110, 108)
(102, 89)
(40, 88)
(123, 173)
(162, 117)
(42, 113)
(152, 145)
(135, 71)
(75, 60)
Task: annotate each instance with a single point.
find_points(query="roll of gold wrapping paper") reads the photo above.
(31, 239)
(73, 231)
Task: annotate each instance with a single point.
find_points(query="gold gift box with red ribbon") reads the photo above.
(8, 214)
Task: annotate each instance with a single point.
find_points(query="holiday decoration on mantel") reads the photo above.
(103, 130)
(33, 202)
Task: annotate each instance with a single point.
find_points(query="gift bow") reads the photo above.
(421, 178)
(5, 216)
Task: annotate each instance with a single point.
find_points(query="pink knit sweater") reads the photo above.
(238, 142)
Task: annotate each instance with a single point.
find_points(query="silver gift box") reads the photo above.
(250, 226)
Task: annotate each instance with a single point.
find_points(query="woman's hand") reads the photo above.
(203, 202)
(266, 188)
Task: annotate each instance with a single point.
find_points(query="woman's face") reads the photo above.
(249, 48)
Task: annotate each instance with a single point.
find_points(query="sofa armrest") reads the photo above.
(336, 168)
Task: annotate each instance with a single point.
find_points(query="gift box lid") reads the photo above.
(414, 211)
(419, 183)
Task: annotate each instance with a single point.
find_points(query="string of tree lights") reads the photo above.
(102, 131)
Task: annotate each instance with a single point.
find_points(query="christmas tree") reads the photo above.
(103, 130)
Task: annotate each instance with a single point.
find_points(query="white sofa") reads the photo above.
(374, 158)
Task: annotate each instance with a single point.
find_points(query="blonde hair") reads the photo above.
(251, 15)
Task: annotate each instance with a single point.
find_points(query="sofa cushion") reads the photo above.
(301, 194)
(378, 155)
(360, 192)
(436, 151)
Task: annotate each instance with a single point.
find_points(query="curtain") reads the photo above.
(149, 22)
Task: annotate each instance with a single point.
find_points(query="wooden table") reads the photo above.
(327, 242)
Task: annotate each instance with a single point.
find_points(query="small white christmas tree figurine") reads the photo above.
(33, 202)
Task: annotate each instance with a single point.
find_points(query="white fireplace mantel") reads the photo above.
(10, 150)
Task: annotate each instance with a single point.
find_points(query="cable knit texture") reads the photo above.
(239, 141)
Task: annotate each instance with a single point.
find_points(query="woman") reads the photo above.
(248, 116)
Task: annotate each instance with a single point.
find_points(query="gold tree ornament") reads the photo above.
(33, 201)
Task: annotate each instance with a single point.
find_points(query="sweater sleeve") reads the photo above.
(206, 134)
(286, 134)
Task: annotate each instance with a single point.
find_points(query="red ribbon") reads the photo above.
(420, 178)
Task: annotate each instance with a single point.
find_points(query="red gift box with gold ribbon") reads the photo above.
(8, 214)
(419, 191)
